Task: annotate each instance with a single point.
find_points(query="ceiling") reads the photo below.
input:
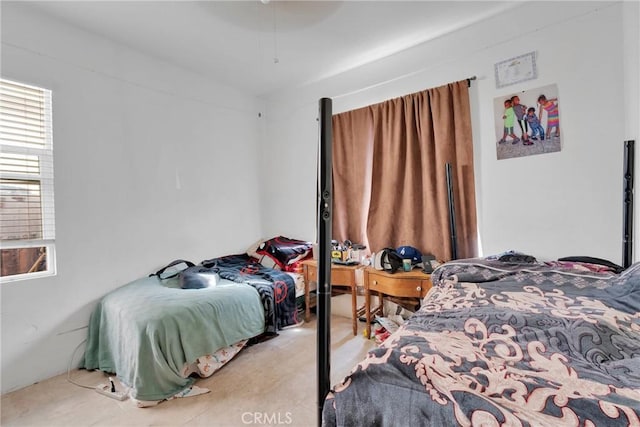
(265, 46)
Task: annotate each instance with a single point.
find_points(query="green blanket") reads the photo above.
(148, 330)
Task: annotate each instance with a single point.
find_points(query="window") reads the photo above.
(27, 223)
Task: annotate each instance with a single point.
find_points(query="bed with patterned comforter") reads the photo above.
(276, 288)
(508, 344)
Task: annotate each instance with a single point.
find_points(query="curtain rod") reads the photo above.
(353, 92)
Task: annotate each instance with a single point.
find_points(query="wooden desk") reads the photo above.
(341, 276)
(410, 284)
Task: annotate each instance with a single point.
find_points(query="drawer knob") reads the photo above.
(375, 282)
(418, 288)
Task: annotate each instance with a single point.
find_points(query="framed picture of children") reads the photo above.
(527, 122)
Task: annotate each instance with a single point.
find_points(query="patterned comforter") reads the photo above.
(505, 344)
(276, 288)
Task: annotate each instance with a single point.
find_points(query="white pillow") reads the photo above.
(252, 250)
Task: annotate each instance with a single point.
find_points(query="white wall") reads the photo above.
(551, 205)
(152, 163)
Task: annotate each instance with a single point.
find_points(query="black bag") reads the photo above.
(172, 269)
(387, 260)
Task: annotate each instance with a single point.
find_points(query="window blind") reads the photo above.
(27, 215)
(23, 111)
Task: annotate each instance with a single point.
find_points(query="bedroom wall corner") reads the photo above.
(548, 205)
(631, 43)
(152, 163)
(289, 164)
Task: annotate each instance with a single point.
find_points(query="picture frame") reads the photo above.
(532, 126)
(515, 70)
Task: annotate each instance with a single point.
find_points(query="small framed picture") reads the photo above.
(516, 70)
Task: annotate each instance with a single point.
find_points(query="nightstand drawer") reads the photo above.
(400, 286)
(339, 275)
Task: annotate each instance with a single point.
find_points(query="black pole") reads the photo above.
(627, 218)
(323, 305)
(452, 214)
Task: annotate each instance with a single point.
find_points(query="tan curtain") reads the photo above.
(389, 179)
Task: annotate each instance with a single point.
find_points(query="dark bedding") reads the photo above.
(500, 343)
(276, 288)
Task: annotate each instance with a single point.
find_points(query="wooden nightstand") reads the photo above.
(409, 284)
(341, 276)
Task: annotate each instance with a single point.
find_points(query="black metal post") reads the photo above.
(323, 305)
(452, 214)
(627, 218)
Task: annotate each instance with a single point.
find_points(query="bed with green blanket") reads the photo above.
(149, 331)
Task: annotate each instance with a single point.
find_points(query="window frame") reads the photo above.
(45, 177)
